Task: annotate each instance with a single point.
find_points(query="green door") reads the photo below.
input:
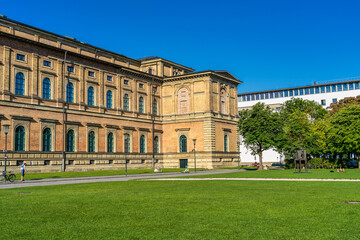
(183, 163)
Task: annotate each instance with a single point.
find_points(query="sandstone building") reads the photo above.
(70, 104)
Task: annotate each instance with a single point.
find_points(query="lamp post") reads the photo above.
(126, 140)
(194, 140)
(6, 131)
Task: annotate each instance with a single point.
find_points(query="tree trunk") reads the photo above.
(260, 160)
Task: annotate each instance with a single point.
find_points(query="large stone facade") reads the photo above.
(73, 103)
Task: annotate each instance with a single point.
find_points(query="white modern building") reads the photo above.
(324, 93)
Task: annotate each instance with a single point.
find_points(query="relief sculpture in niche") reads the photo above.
(183, 101)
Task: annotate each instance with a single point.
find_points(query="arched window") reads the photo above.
(91, 96)
(223, 101)
(70, 92)
(183, 101)
(110, 142)
(141, 104)
(109, 99)
(126, 102)
(225, 143)
(70, 141)
(20, 138)
(91, 142)
(156, 144)
(46, 146)
(46, 88)
(142, 144)
(154, 105)
(20, 84)
(183, 143)
(126, 143)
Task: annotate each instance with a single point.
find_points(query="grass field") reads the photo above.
(30, 176)
(182, 210)
(289, 173)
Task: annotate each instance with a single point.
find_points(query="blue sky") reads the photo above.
(266, 44)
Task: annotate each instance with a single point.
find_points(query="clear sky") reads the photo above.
(267, 44)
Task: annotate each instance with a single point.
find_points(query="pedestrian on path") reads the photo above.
(23, 171)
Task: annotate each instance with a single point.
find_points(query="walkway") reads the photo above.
(115, 178)
(258, 179)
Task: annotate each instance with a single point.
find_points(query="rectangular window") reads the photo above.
(339, 87)
(345, 87)
(291, 93)
(262, 96)
(271, 95)
(243, 98)
(276, 94)
(322, 89)
(328, 88)
(266, 95)
(141, 85)
(317, 90)
(109, 78)
(306, 91)
(47, 63)
(91, 74)
(333, 88)
(334, 100)
(357, 85)
(286, 93)
(20, 57)
(301, 90)
(281, 93)
(126, 82)
(70, 69)
(351, 86)
(257, 96)
(296, 92)
(323, 102)
(252, 97)
(247, 97)
(312, 90)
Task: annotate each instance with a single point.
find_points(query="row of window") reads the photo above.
(301, 91)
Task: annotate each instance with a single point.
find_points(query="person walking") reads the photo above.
(23, 171)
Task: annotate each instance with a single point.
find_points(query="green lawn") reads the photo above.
(182, 210)
(289, 173)
(30, 176)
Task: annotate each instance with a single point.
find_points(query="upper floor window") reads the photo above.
(333, 88)
(141, 85)
(357, 85)
(257, 96)
(328, 88)
(126, 143)
(154, 107)
(91, 96)
(286, 93)
(91, 142)
(322, 89)
(183, 143)
(110, 142)
(150, 71)
(141, 104)
(20, 138)
(109, 78)
(351, 86)
(312, 90)
(126, 82)
(70, 92)
(271, 95)
(301, 90)
(334, 100)
(46, 88)
(109, 99)
(317, 90)
(306, 91)
(323, 102)
(126, 102)
(20, 57)
(291, 93)
(339, 87)
(345, 87)
(70, 69)
(296, 92)
(47, 63)
(20, 84)
(142, 144)
(70, 141)
(183, 101)
(91, 74)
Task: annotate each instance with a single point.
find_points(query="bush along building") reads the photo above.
(76, 107)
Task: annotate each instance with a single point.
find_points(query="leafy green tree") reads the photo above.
(344, 131)
(304, 127)
(260, 128)
(334, 107)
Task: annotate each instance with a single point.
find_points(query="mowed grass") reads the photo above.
(288, 173)
(30, 176)
(182, 210)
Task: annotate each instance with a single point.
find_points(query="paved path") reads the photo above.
(258, 179)
(115, 178)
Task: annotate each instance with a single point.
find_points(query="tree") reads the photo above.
(304, 126)
(260, 128)
(344, 130)
(334, 107)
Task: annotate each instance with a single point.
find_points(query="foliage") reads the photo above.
(260, 128)
(344, 130)
(335, 107)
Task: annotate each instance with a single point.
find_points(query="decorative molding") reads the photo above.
(73, 123)
(47, 120)
(129, 128)
(144, 129)
(226, 129)
(22, 118)
(94, 125)
(112, 126)
(182, 129)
